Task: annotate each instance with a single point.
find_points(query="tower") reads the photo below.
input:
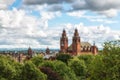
(94, 49)
(76, 47)
(30, 52)
(47, 50)
(63, 42)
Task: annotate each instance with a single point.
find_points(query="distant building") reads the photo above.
(47, 50)
(77, 47)
(30, 53)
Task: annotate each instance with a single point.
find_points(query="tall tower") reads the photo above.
(76, 46)
(63, 42)
(47, 51)
(30, 52)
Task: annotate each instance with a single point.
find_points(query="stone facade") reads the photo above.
(77, 47)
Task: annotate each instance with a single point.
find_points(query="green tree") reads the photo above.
(37, 60)
(61, 68)
(79, 67)
(18, 71)
(51, 75)
(87, 58)
(64, 57)
(106, 66)
(7, 71)
(64, 71)
(111, 48)
(30, 72)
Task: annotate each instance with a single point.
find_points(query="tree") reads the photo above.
(79, 67)
(7, 71)
(30, 72)
(18, 70)
(106, 66)
(87, 59)
(37, 60)
(111, 48)
(51, 75)
(64, 57)
(61, 68)
(65, 71)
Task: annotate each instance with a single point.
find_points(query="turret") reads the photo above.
(94, 49)
(76, 43)
(47, 50)
(63, 42)
(30, 52)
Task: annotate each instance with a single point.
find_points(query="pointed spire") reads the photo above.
(64, 33)
(76, 32)
(47, 50)
(30, 51)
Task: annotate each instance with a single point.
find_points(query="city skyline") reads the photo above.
(39, 23)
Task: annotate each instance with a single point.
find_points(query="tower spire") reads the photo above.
(76, 46)
(63, 42)
(64, 33)
(76, 32)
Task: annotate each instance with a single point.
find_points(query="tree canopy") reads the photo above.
(103, 66)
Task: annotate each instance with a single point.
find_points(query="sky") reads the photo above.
(39, 23)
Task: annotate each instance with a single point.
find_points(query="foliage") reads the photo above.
(30, 72)
(63, 57)
(49, 64)
(64, 71)
(112, 48)
(51, 75)
(37, 60)
(61, 68)
(104, 66)
(79, 67)
(87, 59)
(6, 69)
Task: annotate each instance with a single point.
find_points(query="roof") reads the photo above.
(85, 44)
(82, 44)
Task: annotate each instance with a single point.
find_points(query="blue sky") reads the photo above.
(37, 22)
(68, 19)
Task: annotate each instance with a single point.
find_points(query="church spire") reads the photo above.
(64, 33)
(76, 46)
(30, 52)
(63, 42)
(76, 33)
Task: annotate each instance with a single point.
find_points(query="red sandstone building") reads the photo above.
(77, 47)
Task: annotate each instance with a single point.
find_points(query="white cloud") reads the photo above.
(99, 34)
(109, 8)
(109, 13)
(101, 18)
(20, 29)
(5, 3)
(77, 13)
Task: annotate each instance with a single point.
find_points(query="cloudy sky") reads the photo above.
(39, 23)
